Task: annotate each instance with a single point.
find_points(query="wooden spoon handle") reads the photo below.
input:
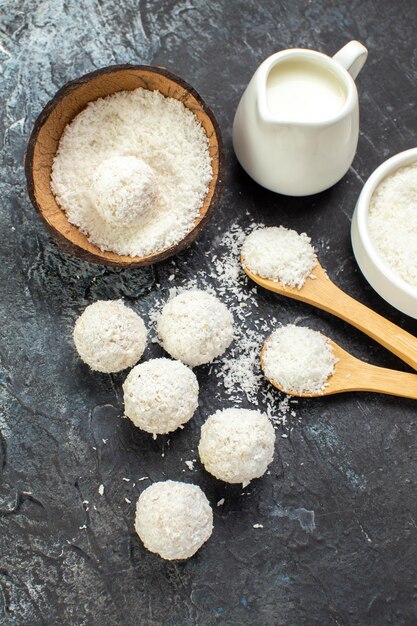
(390, 382)
(333, 300)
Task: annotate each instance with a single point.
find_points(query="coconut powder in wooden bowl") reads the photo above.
(132, 170)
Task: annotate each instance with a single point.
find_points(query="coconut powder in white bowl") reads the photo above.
(384, 231)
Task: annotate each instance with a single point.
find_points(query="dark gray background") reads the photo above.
(350, 459)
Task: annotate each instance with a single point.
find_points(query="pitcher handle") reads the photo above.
(352, 57)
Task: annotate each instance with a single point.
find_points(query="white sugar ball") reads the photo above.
(237, 445)
(160, 395)
(195, 327)
(109, 336)
(173, 519)
(124, 190)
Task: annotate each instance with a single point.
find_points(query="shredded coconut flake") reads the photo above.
(238, 372)
(144, 124)
(279, 254)
(298, 359)
(393, 222)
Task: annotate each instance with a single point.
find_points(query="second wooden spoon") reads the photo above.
(321, 292)
(352, 374)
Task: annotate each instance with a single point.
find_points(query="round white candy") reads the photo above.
(124, 190)
(173, 519)
(237, 445)
(109, 336)
(160, 395)
(195, 327)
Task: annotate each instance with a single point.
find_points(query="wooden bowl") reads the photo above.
(62, 109)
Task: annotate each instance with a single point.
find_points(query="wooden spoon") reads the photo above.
(352, 374)
(321, 292)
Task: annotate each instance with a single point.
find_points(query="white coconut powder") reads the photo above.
(279, 254)
(298, 359)
(393, 222)
(163, 134)
(238, 372)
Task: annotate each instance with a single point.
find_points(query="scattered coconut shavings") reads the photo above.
(221, 502)
(101, 489)
(190, 464)
(143, 478)
(258, 525)
(238, 372)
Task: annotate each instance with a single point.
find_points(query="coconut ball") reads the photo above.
(124, 190)
(109, 336)
(195, 327)
(237, 445)
(160, 395)
(173, 519)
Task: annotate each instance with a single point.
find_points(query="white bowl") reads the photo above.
(379, 275)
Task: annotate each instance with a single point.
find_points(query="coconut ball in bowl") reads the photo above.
(109, 336)
(160, 395)
(237, 445)
(173, 519)
(124, 190)
(195, 327)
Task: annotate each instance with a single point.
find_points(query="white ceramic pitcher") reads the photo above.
(290, 154)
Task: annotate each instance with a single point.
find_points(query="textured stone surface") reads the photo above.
(339, 509)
